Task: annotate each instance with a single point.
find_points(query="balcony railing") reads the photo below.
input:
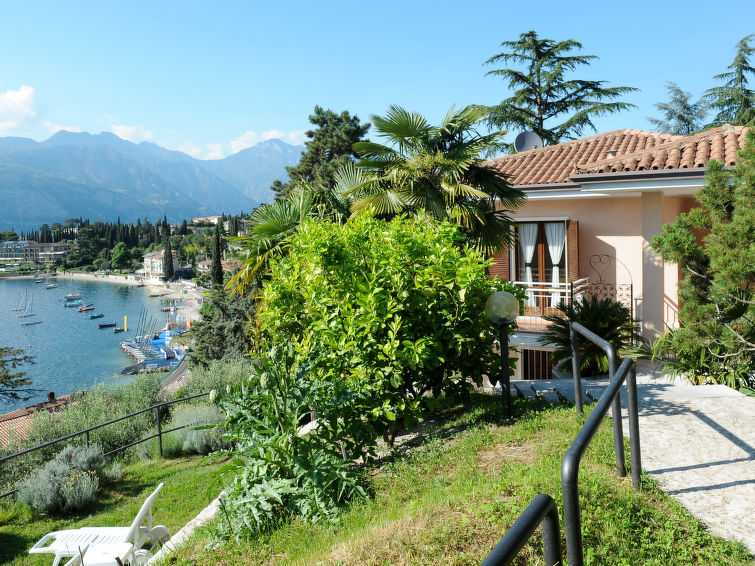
(542, 299)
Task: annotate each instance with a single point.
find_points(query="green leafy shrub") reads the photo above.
(218, 375)
(607, 318)
(285, 473)
(78, 490)
(67, 483)
(150, 450)
(99, 405)
(198, 440)
(392, 312)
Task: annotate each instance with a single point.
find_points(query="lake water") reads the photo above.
(70, 351)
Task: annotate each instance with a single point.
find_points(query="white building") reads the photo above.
(153, 264)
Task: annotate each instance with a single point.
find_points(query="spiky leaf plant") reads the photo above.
(607, 318)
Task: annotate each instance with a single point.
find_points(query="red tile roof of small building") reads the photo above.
(621, 151)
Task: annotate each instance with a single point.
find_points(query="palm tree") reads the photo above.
(271, 224)
(438, 169)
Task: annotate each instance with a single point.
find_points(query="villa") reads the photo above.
(153, 264)
(593, 207)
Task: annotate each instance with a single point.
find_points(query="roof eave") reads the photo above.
(581, 178)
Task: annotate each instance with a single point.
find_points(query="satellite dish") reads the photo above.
(526, 141)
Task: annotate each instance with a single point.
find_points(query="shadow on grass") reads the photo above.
(448, 421)
(12, 546)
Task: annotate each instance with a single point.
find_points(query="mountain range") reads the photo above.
(102, 177)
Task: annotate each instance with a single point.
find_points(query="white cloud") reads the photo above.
(297, 138)
(131, 133)
(190, 149)
(57, 127)
(214, 151)
(250, 138)
(16, 107)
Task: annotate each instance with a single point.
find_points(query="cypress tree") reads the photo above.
(168, 261)
(216, 271)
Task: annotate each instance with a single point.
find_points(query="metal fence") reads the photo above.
(157, 409)
(540, 509)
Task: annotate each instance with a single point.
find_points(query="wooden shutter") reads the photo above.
(572, 250)
(500, 267)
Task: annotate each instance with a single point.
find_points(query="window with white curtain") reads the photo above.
(540, 258)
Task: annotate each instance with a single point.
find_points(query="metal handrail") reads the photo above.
(618, 434)
(573, 457)
(156, 408)
(543, 510)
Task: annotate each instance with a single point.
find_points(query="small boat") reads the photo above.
(74, 303)
(39, 279)
(106, 324)
(21, 306)
(31, 322)
(116, 330)
(51, 285)
(86, 308)
(72, 296)
(27, 312)
(100, 315)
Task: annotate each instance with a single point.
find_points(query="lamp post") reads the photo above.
(502, 309)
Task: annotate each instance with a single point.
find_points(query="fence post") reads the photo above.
(634, 425)
(159, 432)
(87, 437)
(618, 429)
(577, 377)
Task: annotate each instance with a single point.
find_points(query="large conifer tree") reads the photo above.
(733, 101)
(545, 100)
(329, 147)
(716, 341)
(681, 116)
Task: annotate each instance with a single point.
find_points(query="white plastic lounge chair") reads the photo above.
(67, 543)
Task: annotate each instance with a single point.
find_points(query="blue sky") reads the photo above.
(211, 78)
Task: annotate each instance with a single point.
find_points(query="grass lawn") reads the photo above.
(450, 499)
(190, 484)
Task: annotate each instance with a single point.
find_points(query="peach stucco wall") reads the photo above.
(622, 227)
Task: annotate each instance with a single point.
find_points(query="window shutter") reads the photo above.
(572, 250)
(500, 267)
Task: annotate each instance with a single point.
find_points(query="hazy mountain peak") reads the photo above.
(69, 175)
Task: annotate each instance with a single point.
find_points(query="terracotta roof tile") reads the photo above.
(621, 151)
(14, 426)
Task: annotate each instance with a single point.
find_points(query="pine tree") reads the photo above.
(734, 102)
(682, 116)
(329, 147)
(543, 94)
(216, 270)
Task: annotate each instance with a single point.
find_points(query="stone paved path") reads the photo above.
(698, 442)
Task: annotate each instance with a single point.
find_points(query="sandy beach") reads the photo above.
(178, 291)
